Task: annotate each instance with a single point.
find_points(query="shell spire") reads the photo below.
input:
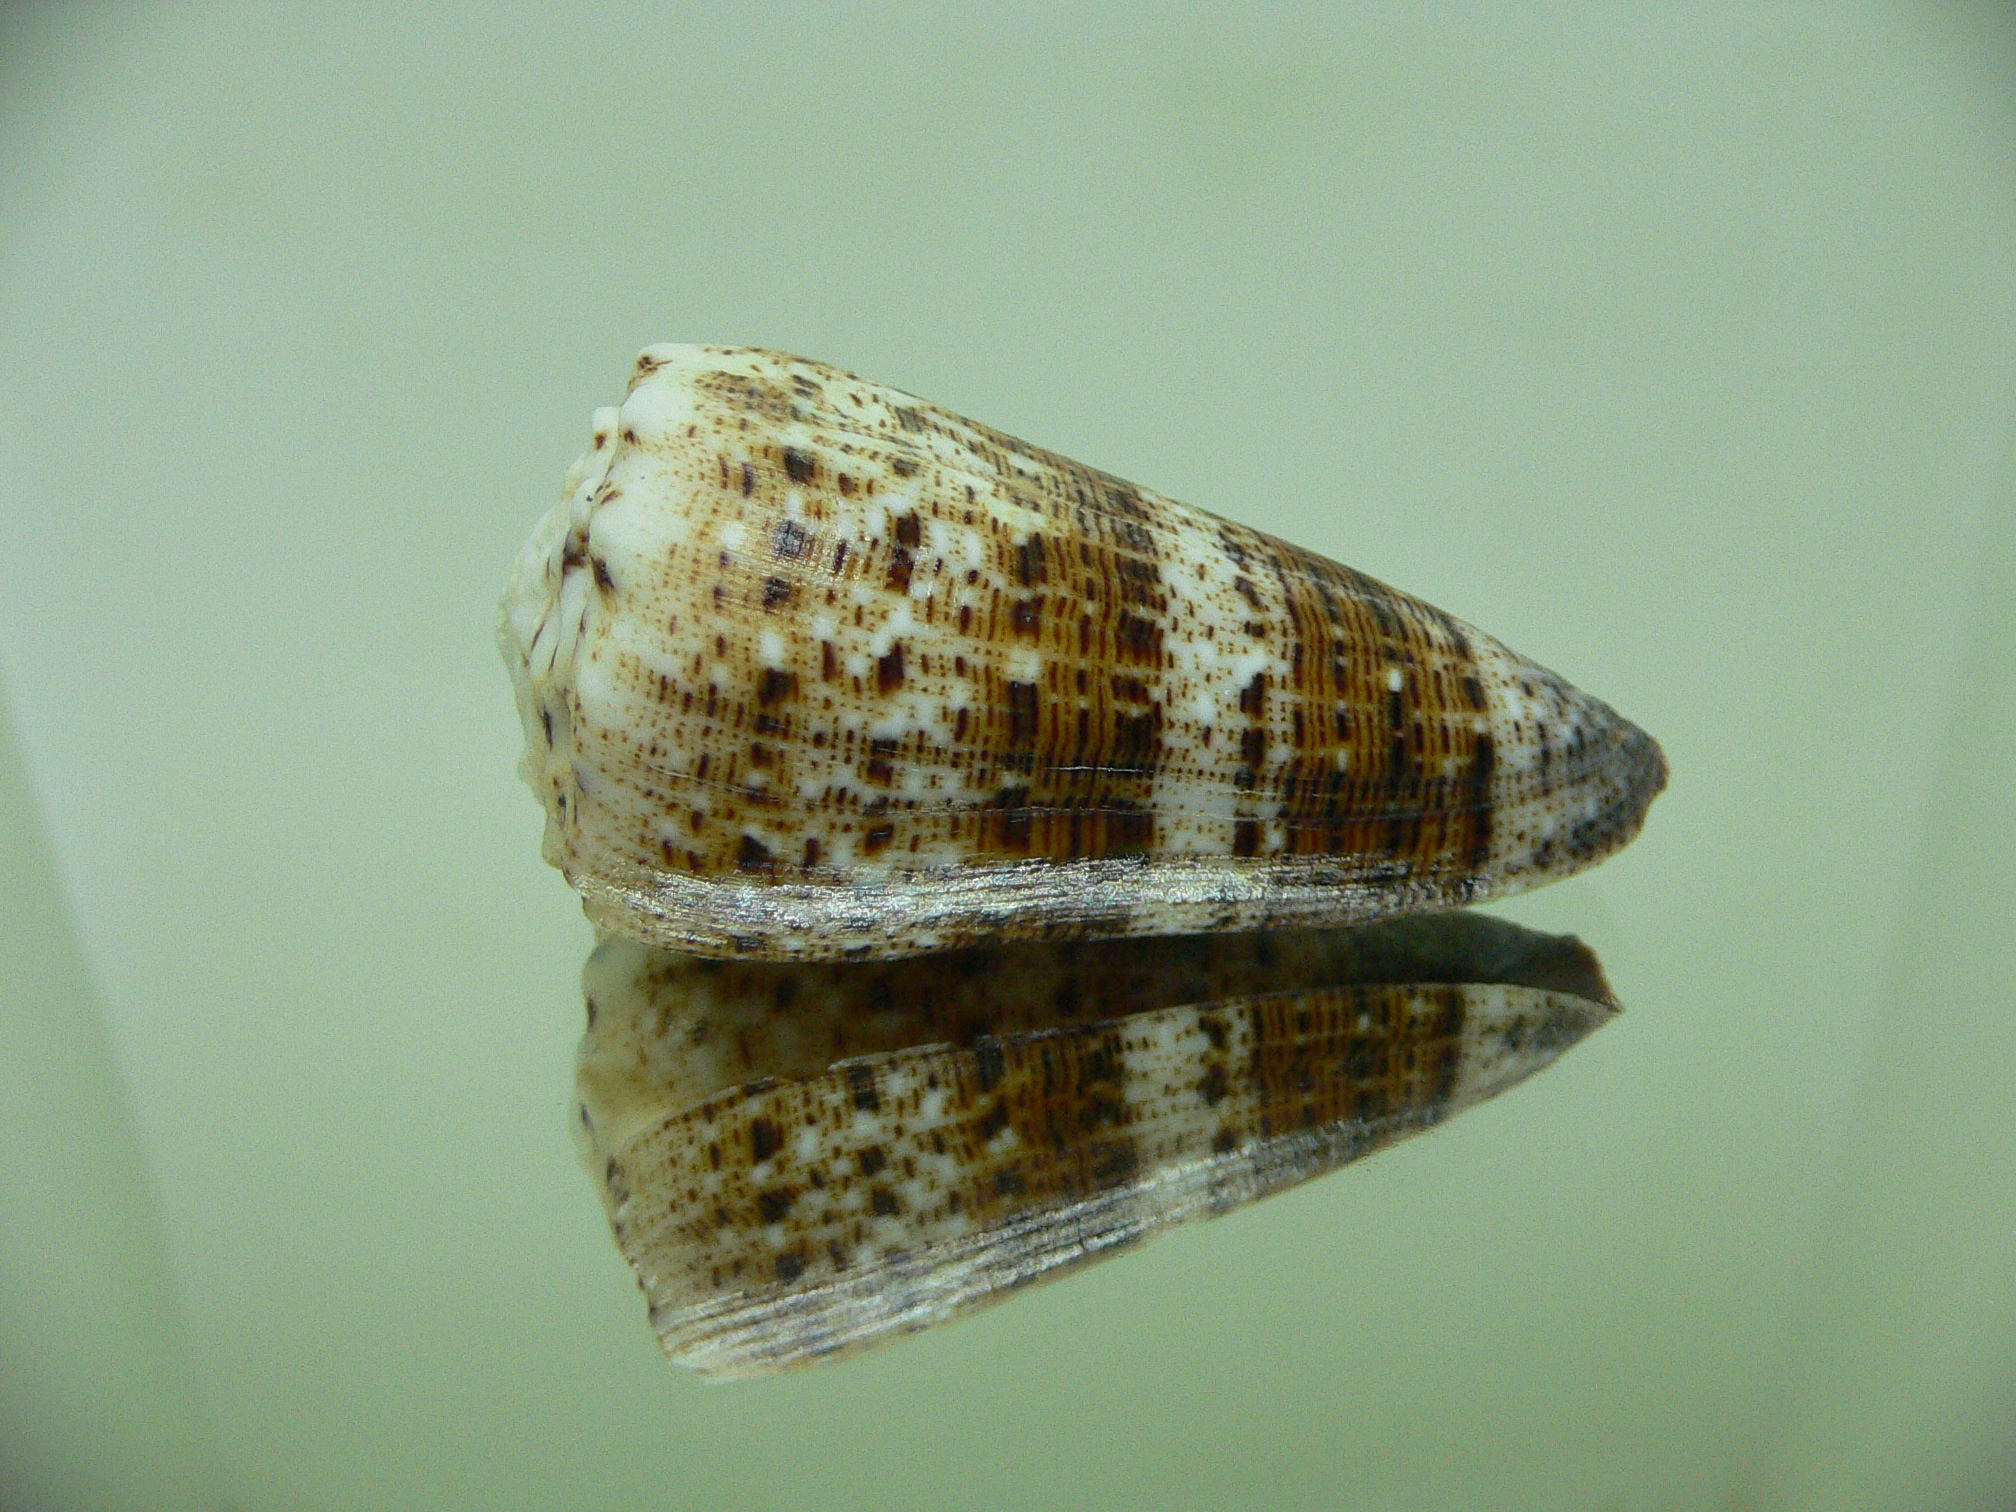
(812, 669)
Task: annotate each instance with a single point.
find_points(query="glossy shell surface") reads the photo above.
(812, 669)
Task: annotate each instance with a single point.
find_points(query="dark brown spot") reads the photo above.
(1138, 640)
(775, 591)
(1013, 804)
(1021, 715)
(1483, 757)
(764, 1140)
(1029, 565)
(775, 685)
(791, 540)
(871, 1160)
(909, 530)
(1246, 837)
(882, 1202)
(889, 669)
(1115, 1162)
(989, 1062)
(1214, 1087)
(790, 1266)
(878, 838)
(1137, 740)
(774, 1203)
(861, 1082)
(1253, 747)
(754, 856)
(1138, 575)
(799, 465)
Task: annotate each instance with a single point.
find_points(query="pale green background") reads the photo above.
(1674, 344)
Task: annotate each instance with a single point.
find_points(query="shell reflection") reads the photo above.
(801, 1161)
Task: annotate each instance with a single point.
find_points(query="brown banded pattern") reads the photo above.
(809, 668)
(802, 1161)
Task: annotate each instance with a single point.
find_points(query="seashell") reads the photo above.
(810, 669)
(819, 678)
(801, 1160)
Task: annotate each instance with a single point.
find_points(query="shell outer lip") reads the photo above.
(931, 911)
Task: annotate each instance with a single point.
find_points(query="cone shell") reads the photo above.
(803, 1160)
(809, 668)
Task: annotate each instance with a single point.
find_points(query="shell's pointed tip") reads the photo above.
(1642, 764)
(1575, 779)
(1656, 783)
(1627, 776)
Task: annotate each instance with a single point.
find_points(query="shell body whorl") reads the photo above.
(812, 669)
